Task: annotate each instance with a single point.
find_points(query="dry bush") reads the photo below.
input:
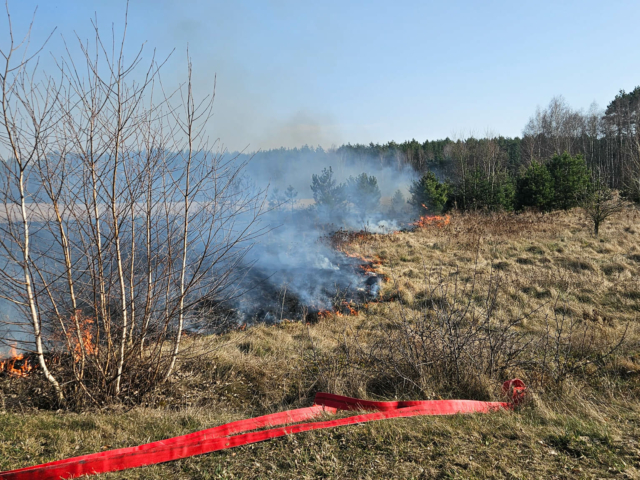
(452, 342)
(569, 346)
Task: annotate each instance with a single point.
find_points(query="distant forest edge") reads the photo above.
(485, 172)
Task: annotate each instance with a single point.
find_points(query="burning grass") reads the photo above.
(16, 365)
(582, 419)
(426, 221)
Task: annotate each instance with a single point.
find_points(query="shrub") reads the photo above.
(428, 191)
(534, 188)
(571, 180)
(364, 193)
(327, 193)
(481, 192)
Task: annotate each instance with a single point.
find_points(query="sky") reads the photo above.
(330, 72)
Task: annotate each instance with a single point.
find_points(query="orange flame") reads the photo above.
(86, 336)
(9, 365)
(337, 313)
(352, 311)
(432, 220)
(375, 260)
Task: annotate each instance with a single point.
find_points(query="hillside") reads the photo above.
(465, 306)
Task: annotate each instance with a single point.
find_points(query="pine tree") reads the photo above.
(290, 195)
(327, 193)
(429, 192)
(398, 202)
(535, 188)
(571, 180)
(364, 193)
(601, 203)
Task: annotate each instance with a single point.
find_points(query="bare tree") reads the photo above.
(27, 115)
(601, 203)
(121, 220)
(553, 131)
(609, 139)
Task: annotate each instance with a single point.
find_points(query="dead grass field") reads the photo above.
(581, 420)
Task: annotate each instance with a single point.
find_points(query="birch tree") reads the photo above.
(122, 222)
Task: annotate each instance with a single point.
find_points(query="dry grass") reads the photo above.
(548, 265)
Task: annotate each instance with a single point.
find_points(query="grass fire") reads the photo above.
(16, 365)
(180, 250)
(432, 220)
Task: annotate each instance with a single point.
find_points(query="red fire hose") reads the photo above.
(231, 434)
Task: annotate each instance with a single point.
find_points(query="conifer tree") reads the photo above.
(535, 188)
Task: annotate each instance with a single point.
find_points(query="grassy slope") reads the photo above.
(590, 430)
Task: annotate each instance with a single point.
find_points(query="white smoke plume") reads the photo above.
(294, 270)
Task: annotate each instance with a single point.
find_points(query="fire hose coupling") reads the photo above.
(515, 389)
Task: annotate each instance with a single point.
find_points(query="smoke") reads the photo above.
(293, 257)
(279, 168)
(13, 330)
(294, 270)
(303, 128)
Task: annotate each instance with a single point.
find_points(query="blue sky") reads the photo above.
(330, 72)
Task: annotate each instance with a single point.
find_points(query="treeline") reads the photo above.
(490, 173)
(561, 183)
(439, 155)
(608, 141)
